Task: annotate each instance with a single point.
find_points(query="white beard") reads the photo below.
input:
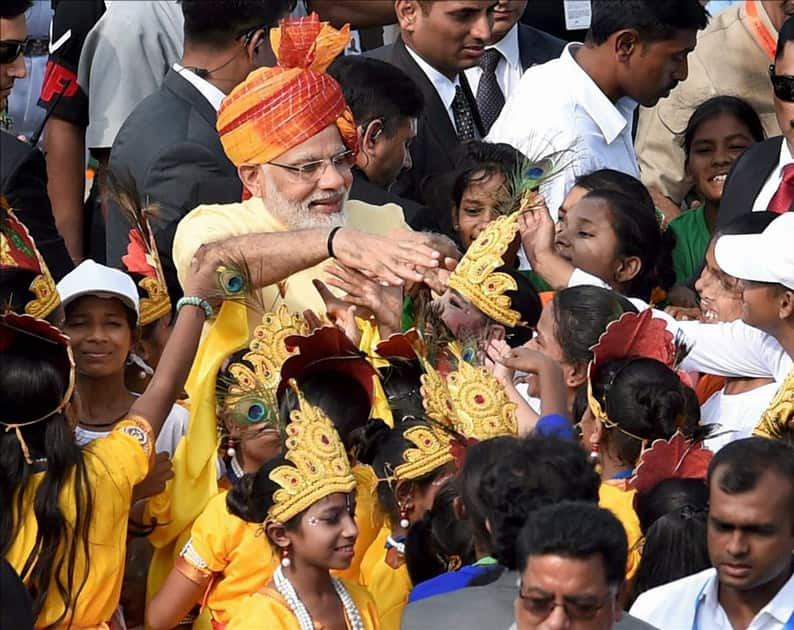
(298, 215)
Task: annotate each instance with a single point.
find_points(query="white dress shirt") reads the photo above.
(558, 107)
(772, 183)
(693, 602)
(445, 87)
(508, 70)
(213, 95)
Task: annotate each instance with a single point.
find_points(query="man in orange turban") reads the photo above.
(293, 139)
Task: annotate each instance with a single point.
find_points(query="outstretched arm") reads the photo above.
(274, 256)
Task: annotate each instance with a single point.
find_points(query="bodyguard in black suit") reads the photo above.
(23, 182)
(448, 36)
(747, 177)
(169, 144)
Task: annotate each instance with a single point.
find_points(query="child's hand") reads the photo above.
(497, 349)
(154, 483)
(537, 229)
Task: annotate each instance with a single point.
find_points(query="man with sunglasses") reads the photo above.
(23, 171)
(572, 560)
(169, 144)
(13, 33)
(762, 178)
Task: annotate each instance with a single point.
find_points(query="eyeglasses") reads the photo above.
(312, 171)
(542, 606)
(782, 85)
(10, 49)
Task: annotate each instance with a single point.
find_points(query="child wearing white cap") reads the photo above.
(761, 344)
(101, 307)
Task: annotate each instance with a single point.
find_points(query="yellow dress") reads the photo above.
(234, 552)
(389, 587)
(620, 501)
(114, 464)
(369, 520)
(268, 609)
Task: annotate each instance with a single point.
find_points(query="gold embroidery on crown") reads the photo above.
(158, 302)
(482, 408)
(432, 450)
(777, 422)
(475, 277)
(320, 463)
(46, 292)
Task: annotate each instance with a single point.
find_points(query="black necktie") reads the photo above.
(464, 119)
(490, 99)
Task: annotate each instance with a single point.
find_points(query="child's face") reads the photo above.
(479, 205)
(100, 335)
(459, 314)
(716, 144)
(720, 294)
(327, 532)
(586, 238)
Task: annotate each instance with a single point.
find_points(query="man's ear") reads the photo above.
(251, 177)
(259, 50)
(627, 269)
(626, 42)
(371, 134)
(459, 508)
(407, 14)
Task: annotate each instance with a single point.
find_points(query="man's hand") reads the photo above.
(400, 257)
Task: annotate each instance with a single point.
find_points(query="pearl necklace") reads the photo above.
(284, 586)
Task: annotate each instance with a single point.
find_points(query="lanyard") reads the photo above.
(766, 39)
(789, 625)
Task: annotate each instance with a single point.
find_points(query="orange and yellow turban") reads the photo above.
(276, 109)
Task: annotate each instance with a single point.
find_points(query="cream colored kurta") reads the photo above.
(727, 61)
(210, 223)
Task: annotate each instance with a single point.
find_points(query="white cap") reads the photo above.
(91, 278)
(765, 257)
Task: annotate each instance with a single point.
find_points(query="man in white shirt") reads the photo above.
(515, 48)
(169, 144)
(750, 541)
(583, 103)
(762, 178)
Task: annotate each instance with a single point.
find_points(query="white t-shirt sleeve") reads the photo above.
(734, 349)
(174, 427)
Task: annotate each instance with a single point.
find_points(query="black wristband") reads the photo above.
(331, 236)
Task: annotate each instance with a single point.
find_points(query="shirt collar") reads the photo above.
(444, 86)
(781, 607)
(611, 118)
(213, 95)
(785, 157)
(508, 47)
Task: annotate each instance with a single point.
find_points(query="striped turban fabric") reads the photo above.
(276, 109)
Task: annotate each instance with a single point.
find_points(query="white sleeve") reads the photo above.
(734, 349)
(174, 427)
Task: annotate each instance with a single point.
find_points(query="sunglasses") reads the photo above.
(10, 49)
(782, 85)
(541, 607)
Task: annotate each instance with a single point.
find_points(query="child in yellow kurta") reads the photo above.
(309, 502)
(411, 461)
(37, 436)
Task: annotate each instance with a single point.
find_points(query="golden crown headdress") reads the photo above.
(431, 450)
(475, 276)
(251, 391)
(142, 260)
(481, 407)
(320, 466)
(18, 251)
(777, 422)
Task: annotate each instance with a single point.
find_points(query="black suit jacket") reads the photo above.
(419, 217)
(171, 148)
(746, 179)
(536, 46)
(431, 150)
(23, 181)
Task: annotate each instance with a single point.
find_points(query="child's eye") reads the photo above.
(584, 234)
(473, 211)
